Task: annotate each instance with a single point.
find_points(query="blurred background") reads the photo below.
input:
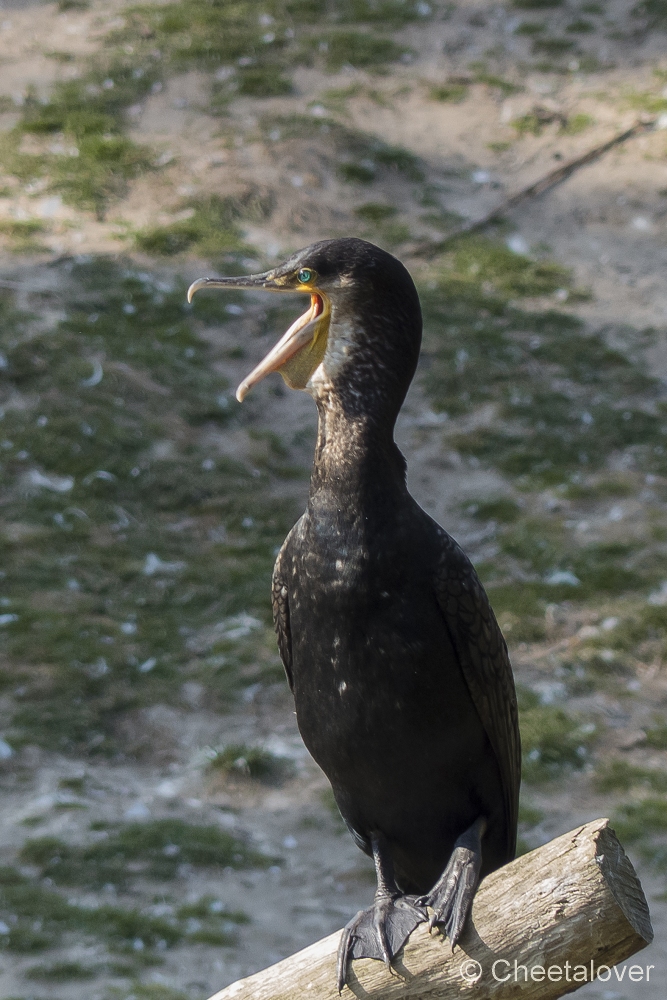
(163, 831)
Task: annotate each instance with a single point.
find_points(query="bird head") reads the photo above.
(359, 337)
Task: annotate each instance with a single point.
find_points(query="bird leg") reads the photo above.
(452, 895)
(381, 930)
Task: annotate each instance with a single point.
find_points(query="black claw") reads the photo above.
(454, 928)
(451, 898)
(343, 955)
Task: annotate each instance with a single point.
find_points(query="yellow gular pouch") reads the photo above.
(297, 370)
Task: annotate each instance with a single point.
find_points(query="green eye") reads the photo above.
(305, 275)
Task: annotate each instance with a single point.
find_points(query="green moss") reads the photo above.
(530, 28)
(146, 991)
(506, 87)
(363, 51)
(602, 568)
(441, 220)
(641, 633)
(397, 159)
(588, 63)
(560, 567)
(210, 922)
(22, 233)
(534, 122)
(59, 56)
(39, 917)
(553, 46)
(336, 98)
(249, 81)
(551, 740)
(452, 92)
(529, 817)
(620, 776)
(654, 104)
(158, 846)
(393, 234)
(654, 10)
(380, 225)
(502, 509)
(375, 212)
(536, 542)
(529, 124)
(195, 33)
(577, 123)
(536, 4)
(580, 26)
(356, 173)
(252, 762)
(42, 915)
(656, 737)
(88, 160)
(361, 158)
(520, 606)
(61, 972)
(372, 158)
(475, 259)
(207, 905)
(268, 453)
(390, 12)
(77, 785)
(638, 820)
(598, 488)
(211, 229)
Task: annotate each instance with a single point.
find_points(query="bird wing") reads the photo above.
(485, 663)
(280, 602)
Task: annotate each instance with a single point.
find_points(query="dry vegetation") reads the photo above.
(164, 831)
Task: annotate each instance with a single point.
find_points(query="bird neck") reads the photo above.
(356, 457)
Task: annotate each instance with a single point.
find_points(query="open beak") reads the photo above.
(300, 350)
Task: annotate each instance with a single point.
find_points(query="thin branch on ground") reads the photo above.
(431, 248)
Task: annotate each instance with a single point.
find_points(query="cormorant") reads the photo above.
(402, 684)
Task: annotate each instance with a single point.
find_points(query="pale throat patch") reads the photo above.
(339, 348)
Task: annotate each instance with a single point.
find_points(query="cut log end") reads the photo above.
(623, 883)
(575, 903)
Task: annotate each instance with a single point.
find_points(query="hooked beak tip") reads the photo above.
(242, 391)
(195, 286)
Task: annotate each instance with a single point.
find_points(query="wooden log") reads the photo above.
(541, 927)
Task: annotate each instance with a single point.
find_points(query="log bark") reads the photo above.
(567, 912)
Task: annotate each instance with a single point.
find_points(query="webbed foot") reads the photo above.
(378, 932)
(451, 897)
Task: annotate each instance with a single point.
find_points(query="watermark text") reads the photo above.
(505, 971)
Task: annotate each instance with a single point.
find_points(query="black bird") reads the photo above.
(403, 688)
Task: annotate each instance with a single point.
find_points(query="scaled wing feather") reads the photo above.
(280, 602)
(485, 663)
